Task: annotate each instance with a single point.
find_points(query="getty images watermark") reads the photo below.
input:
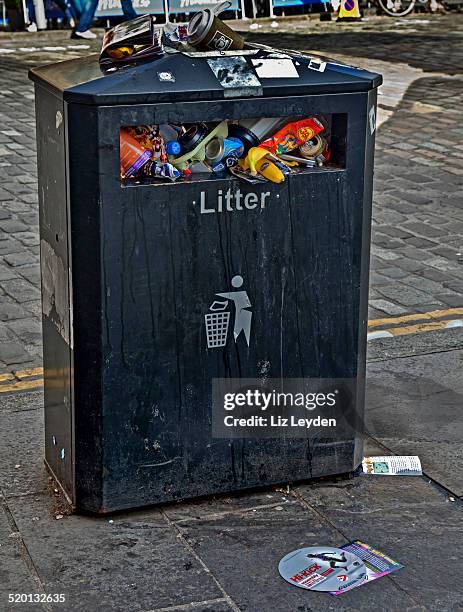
(297, 407)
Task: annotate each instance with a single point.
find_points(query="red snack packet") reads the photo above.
(293, 135)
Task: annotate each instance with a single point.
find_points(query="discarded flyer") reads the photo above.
(392, 466)
(335, 570)
(132, 41)
(376, 563)
(322, 568)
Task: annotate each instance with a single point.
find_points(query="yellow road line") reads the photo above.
(435, 314)
(19, 380)
(28, 373)
(21, 385)
(7, 376)
(417, 329)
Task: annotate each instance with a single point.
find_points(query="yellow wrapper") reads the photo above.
(120, 52)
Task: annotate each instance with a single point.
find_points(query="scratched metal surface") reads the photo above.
(194, 78)
(51, 150)
(146, 265)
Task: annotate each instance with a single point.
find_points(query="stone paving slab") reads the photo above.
(416, 397)
(407, 518)
(15, 576)
(223, 505)
(259, 540)
(442, 461)
(136, 562)
(32, 400)
(22, 447)
(413, 409)
(383, 349)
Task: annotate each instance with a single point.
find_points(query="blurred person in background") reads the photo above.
(67, 6)
(85, 20)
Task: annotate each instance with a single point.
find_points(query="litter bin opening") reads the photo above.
(252, 149)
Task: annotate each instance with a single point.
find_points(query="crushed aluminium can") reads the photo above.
(224, 153)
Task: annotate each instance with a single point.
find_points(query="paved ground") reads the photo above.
(222, 554)
(418, 219)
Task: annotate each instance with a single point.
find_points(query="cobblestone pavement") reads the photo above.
(417, 250)
(220, 554)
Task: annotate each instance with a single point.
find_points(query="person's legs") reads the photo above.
(87, 16)
(78, 7)
(71, 10)
(68, 10)
(31, 25)
(128, 10)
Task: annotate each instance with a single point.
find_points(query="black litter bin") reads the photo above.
(138, 274)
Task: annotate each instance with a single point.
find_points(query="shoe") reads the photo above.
(32, 27)
(87, 35)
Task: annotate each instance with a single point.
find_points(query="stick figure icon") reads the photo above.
(241, 301)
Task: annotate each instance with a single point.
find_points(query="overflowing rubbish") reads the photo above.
(293, 135)
(258, 161)
(132, 41)
(143, 154)
(263, 149)
(220, 154)
(335, 570)
(133, 154)
(175, 35)
(254, 150)
(207, 32)
(141, 39)
(392, 466)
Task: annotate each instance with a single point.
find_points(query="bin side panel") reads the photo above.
(54, 262)
(369, 134)
(84, 188)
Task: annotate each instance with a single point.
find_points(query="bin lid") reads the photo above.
(192, 76)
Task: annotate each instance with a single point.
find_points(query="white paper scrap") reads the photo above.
(372, 119)
(392, 466)
(280, 68)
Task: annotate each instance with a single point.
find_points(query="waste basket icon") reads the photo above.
(217, 325)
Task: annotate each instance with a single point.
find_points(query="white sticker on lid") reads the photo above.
(317, 64)
(280, 68)
(166, 77)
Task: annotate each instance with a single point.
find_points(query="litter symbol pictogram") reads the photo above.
(218, 320)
